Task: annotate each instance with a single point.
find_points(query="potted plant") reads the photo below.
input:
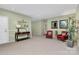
(71, 30)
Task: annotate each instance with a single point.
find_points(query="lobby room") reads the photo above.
(39, 29)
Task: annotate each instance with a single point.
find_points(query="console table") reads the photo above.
(22, 36)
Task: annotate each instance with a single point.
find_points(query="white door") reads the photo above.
(4, 34)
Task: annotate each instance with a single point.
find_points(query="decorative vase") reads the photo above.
(70, 43)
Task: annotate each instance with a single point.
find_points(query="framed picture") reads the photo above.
(54, 24)
(63, 24)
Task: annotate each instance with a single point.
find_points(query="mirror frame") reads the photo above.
(62, 26)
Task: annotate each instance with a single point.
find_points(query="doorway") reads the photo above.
(4, 32)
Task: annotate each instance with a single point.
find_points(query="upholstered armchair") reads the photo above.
(63, 36)
(49, 34)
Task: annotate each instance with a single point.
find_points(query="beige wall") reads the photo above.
(13, 18)
(36, 28)
(65, 17)
(44, 26)
(39, 27)
(77, 25)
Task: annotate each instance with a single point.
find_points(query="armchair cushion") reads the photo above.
(63, 36)
(49, 34)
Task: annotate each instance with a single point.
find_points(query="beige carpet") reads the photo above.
(36, 46)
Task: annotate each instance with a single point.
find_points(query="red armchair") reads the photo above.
(49, 34)
(62, 36)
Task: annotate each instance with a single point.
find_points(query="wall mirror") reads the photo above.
(54, 24)
(63, 24)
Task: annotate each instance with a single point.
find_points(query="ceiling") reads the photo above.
(39, 11)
